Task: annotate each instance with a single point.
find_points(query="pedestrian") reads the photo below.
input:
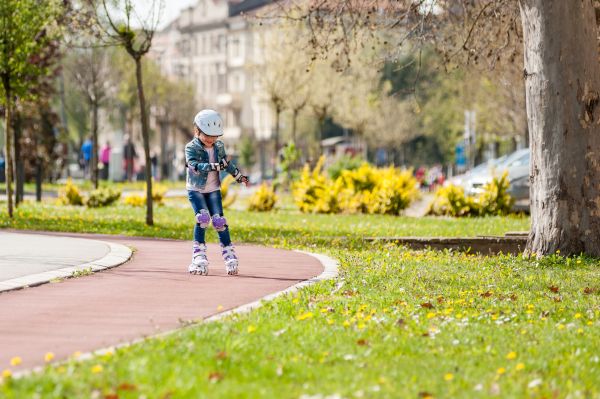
(129, 156)
(105, 159)
(86, 155)
(205, 157)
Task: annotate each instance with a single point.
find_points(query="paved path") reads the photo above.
(151, 293)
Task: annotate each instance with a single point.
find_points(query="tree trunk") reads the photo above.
(8, 146)
(19, 171)
(94, 159)
(146, 138)
(276, 142)
(562, 77)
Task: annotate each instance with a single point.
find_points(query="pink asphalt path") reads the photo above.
(149, 294)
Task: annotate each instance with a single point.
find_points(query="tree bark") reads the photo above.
(562, 78)
(19, 168)
(146, 138)
(8, 146)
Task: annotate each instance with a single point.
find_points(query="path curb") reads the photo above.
(117, 255)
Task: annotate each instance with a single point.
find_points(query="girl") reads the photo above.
(205, 157)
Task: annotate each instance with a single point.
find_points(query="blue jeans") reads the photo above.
(212, 202)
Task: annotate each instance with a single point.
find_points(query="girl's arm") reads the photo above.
(194, 163)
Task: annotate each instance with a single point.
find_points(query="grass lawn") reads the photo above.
(395, 324)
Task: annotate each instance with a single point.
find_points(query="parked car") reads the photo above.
(517, 166)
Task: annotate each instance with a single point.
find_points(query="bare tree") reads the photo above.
(91, 71)
(137, 42)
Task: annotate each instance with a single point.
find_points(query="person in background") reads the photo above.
(105, 159)
(86, 155)
(129, 156)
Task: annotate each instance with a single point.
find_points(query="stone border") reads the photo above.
(117, 255)
(330, 271)
(509, 244)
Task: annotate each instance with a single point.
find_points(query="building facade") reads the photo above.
(213, 45)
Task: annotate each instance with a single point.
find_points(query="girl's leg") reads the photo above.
(199, 263)
(215, 207)
(198, 204)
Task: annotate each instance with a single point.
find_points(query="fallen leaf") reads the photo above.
(427, 305)
(553, 288)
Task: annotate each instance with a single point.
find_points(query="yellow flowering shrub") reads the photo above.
(393, 193)
(135, 200)
(69, 194)
(227, 197)
(314, 192)
(363, 190)
(263, 200)
(494, 200)
(452, 201)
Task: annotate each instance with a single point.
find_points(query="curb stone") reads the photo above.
(117, 255)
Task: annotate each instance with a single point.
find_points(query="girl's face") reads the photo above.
(207, 140)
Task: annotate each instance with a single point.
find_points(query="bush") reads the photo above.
(158, 193)
(494, 200)
(135, 200)
(263, 200)
(313, 191)
(102, 197)
(393, 193)
(69, 194)
(452, 201)
(363, 190)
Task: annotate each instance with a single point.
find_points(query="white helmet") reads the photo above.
(209, 122)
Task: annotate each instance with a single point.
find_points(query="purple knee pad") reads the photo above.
(219, 222)
(203, 218)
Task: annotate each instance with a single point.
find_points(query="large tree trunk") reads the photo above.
(562, 77)
(146, 137)
(8, 165)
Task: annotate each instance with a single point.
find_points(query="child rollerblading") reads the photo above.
(205, 157)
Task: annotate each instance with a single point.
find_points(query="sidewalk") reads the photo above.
(149, 294)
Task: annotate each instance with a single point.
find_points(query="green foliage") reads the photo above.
(247, 152)
(493, 201)
(363, 190)
(263, 200)
(69, 194)
(102, 197)
(345, 162)
(28, 33)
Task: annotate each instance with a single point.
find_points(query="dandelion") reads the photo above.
(219, 308)
(561, 326)
(511, 355)
(519, 366)
(346, 323)
(501, 371)
(48, 357)
(330, 321)
(76, 354)
(430, 315)
(448, 377)
(251, 329)
(580, 330)
(15, 361)
(6, 373)
(305, 316)
(97, 369)
(578, 315)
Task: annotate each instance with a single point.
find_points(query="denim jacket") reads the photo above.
(197, 157)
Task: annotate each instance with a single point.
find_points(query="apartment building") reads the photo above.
(213, 45)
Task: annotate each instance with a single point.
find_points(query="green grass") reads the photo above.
(395, 324)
